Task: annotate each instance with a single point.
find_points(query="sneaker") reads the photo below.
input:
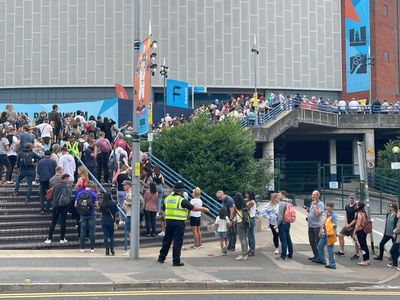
(241, 257)
(162, 233)
(63, 241)
(340, 253)
(390, 265)
(82, 250)
(378, 258)
(223, 253)
(199, 246)
(355, 257)
(193, 247)
(92, 250)
(397, 268)
(276, 251)
(362, 252)
(42, 213)
(47, 241)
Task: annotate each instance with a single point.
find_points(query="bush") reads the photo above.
(386, 157)
(214, 157)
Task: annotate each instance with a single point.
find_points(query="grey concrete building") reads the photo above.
(64, 50)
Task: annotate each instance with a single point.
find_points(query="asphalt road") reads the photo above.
(217, 295)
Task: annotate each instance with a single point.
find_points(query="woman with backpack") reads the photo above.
(251, 205)
(241, 213)
(108, 211)
(4, 162)
(360, 234)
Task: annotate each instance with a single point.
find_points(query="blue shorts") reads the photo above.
(223, 234)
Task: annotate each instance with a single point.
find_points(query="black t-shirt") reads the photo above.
(120, 179)
(351, 212)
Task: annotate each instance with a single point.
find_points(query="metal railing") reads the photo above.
(120, 210)
(171, 177)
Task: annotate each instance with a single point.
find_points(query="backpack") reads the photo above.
(26, 159)
(104, 145)
(245, 216)
(289, 215)
(367, 226)
(84, 203)
(64, 197)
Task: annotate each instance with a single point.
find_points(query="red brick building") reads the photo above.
(384, 39)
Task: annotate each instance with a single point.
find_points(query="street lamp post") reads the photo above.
(396, 166)
(164, 74)
(255, 53)
(135, 227)
(153, 70)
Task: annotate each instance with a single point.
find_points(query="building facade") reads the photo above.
(70, 50)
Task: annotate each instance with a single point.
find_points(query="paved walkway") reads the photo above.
(53, 270)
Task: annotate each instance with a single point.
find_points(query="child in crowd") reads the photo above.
(222, 223)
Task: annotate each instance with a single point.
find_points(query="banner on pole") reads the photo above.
(142, 87)
(121, 91)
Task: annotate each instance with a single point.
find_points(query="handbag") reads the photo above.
(49, 194)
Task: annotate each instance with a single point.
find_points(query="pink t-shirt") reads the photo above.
(150, 201)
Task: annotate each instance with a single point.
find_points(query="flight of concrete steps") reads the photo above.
(22, 226)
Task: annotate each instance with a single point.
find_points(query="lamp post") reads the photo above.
(135, 227)
(255, 53)
(164, 74)
(396, 166)
(153, 70)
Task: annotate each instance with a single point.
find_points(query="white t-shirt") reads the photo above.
(222, 224)
(196, 202)
(253, 210)
(12, 151)
(45, 130)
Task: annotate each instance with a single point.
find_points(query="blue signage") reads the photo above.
(199, 89)
(357, 31)
(177, 93)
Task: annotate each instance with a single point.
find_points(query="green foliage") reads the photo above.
(214, 157)
(386, 157)
(144, 144)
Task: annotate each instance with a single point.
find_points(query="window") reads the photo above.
(386, 56)
(385, 10)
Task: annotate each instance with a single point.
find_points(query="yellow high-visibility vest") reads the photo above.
(73, 149)
(173, 208)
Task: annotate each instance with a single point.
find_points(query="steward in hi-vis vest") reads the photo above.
(176, 209)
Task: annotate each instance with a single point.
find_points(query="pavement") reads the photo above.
(205, 268)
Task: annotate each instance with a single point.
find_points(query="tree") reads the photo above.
(213, 156)
(386, 157)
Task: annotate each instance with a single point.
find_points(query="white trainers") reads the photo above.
(82, 250)
(47, 241)
(276, 251)
(92, 250)
(63, 241)
(162, 233)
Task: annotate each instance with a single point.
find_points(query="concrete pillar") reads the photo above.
(268, 153)
(356, 168)
(332, 159)
(369, 141)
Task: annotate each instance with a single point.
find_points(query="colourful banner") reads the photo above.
(357, 32)
(104, 108)
(142, 86)
(121, 92)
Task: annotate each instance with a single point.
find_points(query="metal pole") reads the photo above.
(165, 99)
(364, 179)
(135, 229)
(193, 97)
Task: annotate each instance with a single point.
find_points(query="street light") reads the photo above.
(153, 69)
(255, 53)
(164, 74)
(396, 165)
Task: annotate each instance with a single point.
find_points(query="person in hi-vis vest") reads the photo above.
(176, 209)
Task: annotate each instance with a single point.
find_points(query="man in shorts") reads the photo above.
(350, 222)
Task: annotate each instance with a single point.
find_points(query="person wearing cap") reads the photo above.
(349, 223)
(176, 209)
(46, 168)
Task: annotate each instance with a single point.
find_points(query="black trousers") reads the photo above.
(232, 237)
(62, 213)
(275, 235)
(385, 239)
(362, 240)
(150, 217)
(174, 231)
(313, 238)
(102, 165)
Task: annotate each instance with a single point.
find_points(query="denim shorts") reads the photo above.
(223, 234)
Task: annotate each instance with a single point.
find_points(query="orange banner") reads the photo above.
(142, 78)
(120, 91)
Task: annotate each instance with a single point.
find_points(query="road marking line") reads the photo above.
(199, 292)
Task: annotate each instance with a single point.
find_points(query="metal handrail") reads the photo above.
(171, 177)
(120, 210)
